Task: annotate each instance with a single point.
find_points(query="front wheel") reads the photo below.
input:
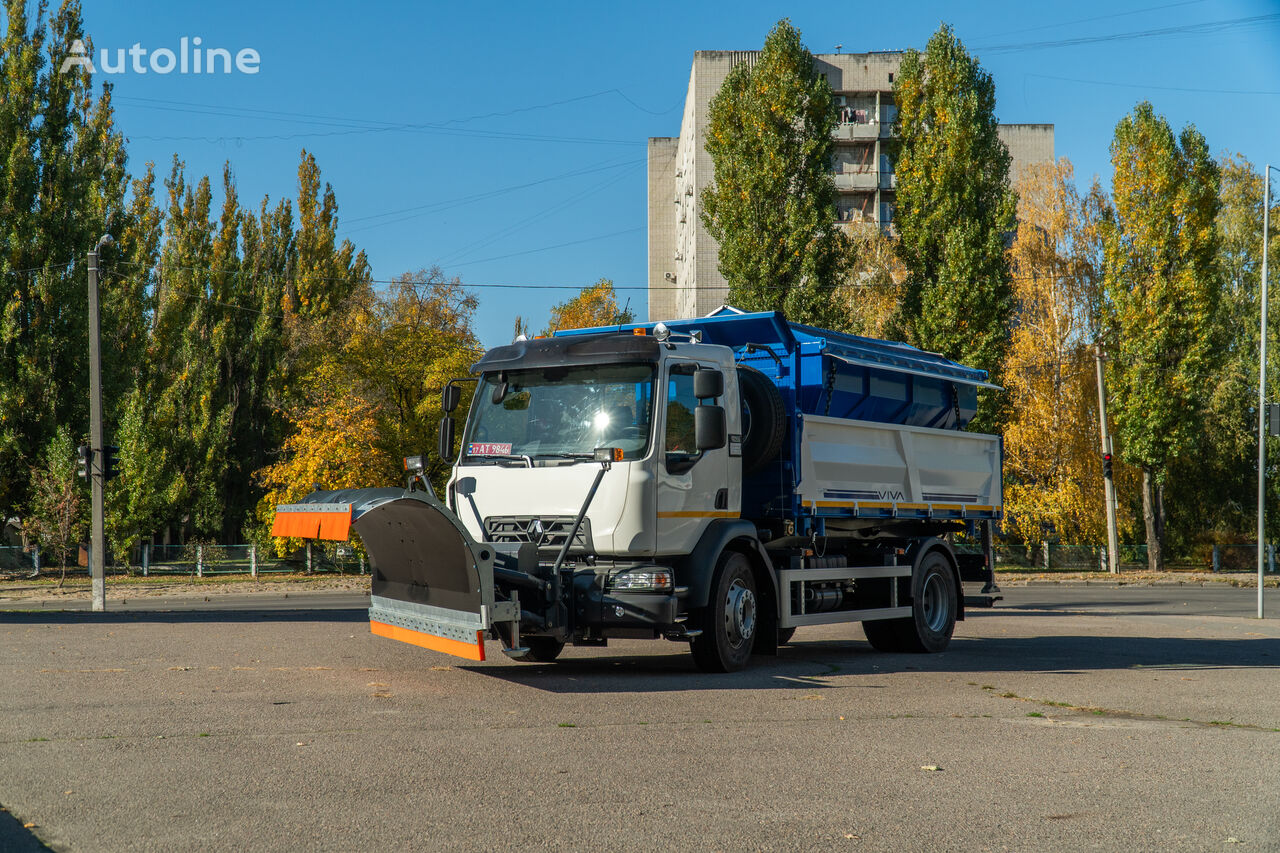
(730, 619)
(541, 649)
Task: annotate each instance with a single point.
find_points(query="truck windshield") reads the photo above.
(562, 412)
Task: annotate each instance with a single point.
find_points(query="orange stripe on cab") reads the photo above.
(431, 641)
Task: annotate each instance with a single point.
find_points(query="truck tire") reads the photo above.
(764, 419)
(541, 649)
(933, 612)
(730, 619)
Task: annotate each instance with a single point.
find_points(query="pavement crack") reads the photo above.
(1120, 714)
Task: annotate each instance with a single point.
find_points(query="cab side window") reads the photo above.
(680, 406)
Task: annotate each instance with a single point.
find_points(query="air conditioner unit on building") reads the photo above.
(670, 276)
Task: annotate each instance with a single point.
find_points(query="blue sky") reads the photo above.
(506, 143)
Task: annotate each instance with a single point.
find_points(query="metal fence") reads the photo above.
(1054, 556)
(16, 560)
(200, 560)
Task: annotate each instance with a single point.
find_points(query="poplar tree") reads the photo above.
(1162, 284)
(954, 210)
(62, 184)
(772, 207)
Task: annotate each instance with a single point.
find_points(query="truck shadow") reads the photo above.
(827, 663)
(16, 838)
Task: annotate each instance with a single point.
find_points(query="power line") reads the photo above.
(350, 121)
(1203, 28)
(1096, 18)
(549, 248)
(460, 253)
(426, 128)
(351, 125)
(1161, 88)
(449, 204)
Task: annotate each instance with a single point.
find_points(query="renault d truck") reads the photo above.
(719, 481)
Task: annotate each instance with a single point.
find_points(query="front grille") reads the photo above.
(545, 531)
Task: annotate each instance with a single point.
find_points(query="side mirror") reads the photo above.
(708, 384)
(450, 397)
(710, 430)
(446, 439)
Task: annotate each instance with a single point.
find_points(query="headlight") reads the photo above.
(645, 579)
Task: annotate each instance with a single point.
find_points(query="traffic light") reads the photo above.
(110, 462)
(1106, 465)
(84, 461)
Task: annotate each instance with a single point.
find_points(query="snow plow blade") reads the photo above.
(432, 582)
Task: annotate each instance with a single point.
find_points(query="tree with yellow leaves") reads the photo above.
(1053, 462)
(375, 396)
(875, 282)
(596, 305)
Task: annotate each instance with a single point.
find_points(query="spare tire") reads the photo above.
(764, 419)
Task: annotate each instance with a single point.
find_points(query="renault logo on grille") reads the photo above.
(536, 529)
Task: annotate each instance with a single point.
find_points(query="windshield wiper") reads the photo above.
(498, 457)
(563, 455)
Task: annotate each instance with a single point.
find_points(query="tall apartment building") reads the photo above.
(684, 278)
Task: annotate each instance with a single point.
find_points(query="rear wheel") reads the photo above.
(730, 619)
(933, 612)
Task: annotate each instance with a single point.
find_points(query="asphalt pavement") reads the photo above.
(1067, 717)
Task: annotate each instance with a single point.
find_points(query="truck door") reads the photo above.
(693, 487)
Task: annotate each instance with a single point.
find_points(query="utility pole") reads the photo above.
(97, 541)
(1262, 385)
(1108, 483)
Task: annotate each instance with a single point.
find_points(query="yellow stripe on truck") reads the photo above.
(697, 513)
(431, 641)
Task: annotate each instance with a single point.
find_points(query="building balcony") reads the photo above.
(867, 180)
(870, 130)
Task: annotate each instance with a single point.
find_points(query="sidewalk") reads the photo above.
(1139, 578)
(46, 593)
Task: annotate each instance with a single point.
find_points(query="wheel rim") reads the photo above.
(933, 602)
(739, 613)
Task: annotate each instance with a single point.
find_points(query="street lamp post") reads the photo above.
(1262, 384)
(97, 540)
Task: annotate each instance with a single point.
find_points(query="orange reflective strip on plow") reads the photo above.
(431, 641)
(313, 521)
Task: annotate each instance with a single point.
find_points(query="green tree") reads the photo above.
(1162, 283)
(1214, 488)
(954, 208)
(596, 305)
(57, 517)
(62, 185)
(772, 207)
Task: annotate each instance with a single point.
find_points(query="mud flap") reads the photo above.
(432, 583)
